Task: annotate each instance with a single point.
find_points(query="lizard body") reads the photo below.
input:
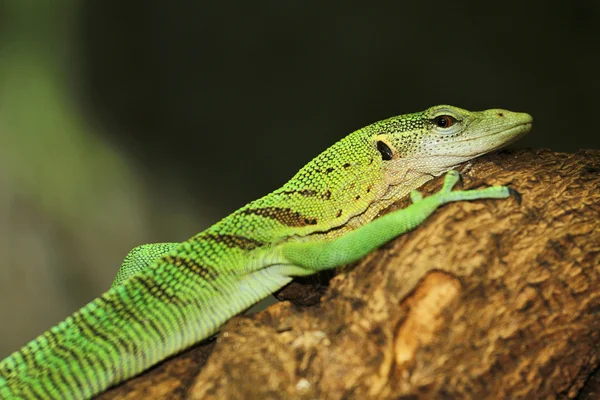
(169, 296)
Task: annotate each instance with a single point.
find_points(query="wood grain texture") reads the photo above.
(487, 299)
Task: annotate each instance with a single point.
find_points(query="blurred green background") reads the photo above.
(130, 122)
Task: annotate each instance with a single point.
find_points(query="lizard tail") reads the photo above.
(157, 313)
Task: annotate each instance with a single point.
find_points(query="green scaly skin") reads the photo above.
(169, 296)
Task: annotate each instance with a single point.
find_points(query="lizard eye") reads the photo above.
(444, 121)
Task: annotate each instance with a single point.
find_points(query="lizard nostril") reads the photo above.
(501, 114)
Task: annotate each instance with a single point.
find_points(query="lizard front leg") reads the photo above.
(317, 256)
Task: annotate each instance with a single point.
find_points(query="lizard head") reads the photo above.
(363, 173)
(441, 137)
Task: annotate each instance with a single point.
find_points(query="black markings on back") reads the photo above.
(304, 192)
(384, 149)
(60, 376)
(82, 322)
(232, 241)
(130, 345)
(207, 273)
(339, 213)
(347, 165)
(328, 170)
(308, 192)
(285, 216)
(153, 289)
(128, 315)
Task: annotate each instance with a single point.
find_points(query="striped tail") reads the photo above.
(159, 312)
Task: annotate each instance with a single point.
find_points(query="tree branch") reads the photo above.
(487, 299)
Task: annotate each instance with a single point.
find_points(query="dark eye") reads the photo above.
(444, 121)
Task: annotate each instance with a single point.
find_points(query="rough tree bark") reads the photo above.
(487, 299)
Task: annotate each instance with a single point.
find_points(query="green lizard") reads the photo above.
(169, 296)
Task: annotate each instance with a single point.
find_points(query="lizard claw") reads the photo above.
(515, 194)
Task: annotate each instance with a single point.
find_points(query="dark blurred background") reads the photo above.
(130, 122)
